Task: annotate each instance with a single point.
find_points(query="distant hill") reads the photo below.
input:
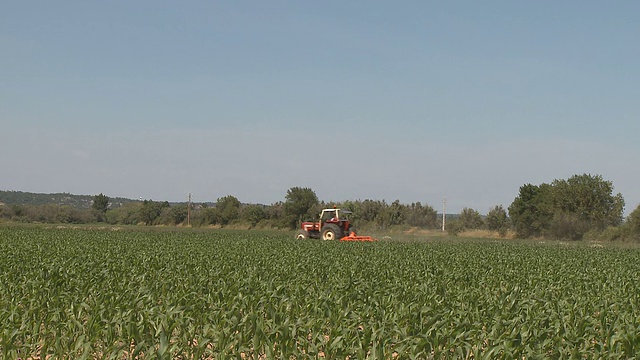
(77, 201)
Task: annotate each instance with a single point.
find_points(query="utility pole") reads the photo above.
(189, 211)
(444, 211)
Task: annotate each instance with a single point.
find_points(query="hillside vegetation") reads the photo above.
(61, 199)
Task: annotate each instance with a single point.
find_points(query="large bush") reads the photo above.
(566, 209)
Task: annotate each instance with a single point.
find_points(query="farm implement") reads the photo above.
(353, 237)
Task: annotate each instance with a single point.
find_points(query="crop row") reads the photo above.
(126, 294)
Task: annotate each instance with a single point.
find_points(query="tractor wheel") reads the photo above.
(331, 232)
(302, 234)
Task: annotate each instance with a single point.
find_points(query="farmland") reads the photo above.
(91, 293)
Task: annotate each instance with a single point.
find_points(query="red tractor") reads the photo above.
(333, 225)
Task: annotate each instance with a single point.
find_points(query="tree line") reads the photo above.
(582, 206)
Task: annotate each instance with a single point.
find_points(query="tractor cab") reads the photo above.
(334, 215)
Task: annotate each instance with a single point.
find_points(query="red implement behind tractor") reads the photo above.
(333, 225)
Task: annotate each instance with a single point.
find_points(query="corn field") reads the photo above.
(87, 294)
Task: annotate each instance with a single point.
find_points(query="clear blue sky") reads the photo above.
(410, 100)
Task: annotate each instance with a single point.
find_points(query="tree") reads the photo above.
(178, 213)
(253, 214)
(471, 219)
(128, 214)
(151, 210)
(633, 224)
(5, 212)
(455, 227)
(497, 220)
(566, 209)
(583, 203)
(422, 215)
(298, 203)
(204, 216)
(588, 199)
(276, 217)
(567, 226)
(530, 211)
(227, 209)
(371, 209)
(390, 215)
(100, 203)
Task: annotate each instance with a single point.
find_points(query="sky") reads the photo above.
(384, 100)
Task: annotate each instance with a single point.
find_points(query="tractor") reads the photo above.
(333, 225)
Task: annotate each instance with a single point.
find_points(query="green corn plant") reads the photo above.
(82, 293)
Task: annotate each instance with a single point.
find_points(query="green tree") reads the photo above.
(18, 210)
(100, 203)
(227, 209)
(567, 226)
(178, 214)
(394, 214)
(588, 199)
(204, 216)
(253, 214)
(298, 203)
(151, 210)
(354, 207)
(422, 216)
(471, 219)
(276, 216)
(566, 209)
(371, 209)
(454, 227)
(128, 214)
(5, 212)
(633, 224)
(583, 203)
(497, 220)
(530, 211)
